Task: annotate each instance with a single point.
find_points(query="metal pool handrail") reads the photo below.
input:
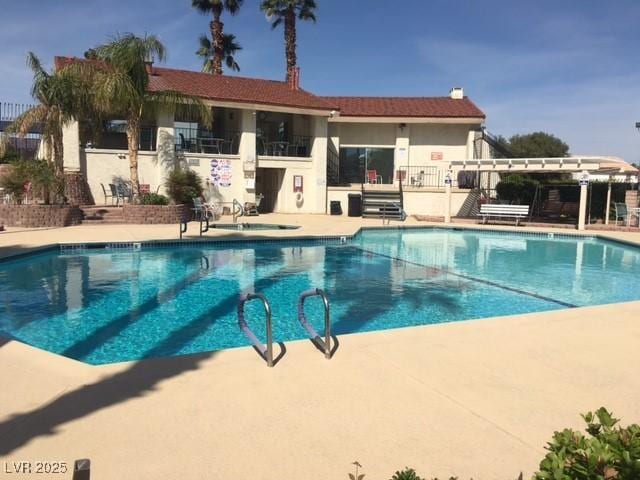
(266, 351)
(326, 344)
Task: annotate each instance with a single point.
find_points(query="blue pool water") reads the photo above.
(104, 306)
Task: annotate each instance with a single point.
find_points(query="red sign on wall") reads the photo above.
(437, 156)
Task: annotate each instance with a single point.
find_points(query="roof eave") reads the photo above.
(465, 120)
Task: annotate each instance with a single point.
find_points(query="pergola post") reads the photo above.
(582, 212)
(608, 205)
(447, 200)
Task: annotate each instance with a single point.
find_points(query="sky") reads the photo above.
(567, 67)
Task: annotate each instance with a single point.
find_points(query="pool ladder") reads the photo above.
(266, 350)
(325, 344)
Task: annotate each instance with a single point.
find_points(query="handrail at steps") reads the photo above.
(326, 344)
(266, 351)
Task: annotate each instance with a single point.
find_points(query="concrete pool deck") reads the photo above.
(473, 399)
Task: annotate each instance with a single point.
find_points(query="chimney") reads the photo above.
(148, 66)
(457, 93)
(294, 78)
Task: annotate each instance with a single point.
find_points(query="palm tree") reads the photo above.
(286, 12)
(215, 8)
(229, 48)
(61, 98)
(121, 87)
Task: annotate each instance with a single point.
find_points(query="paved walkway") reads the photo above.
(477, 398)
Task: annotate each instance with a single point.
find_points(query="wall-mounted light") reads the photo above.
(638, 126)
(403, 126)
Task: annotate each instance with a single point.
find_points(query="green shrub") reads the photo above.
(154, 199)
(39, 173)
(517, 189)
(183, 185)
(406, 474)
(609, 452)
(9, 156)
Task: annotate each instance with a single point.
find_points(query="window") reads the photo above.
(357, 164)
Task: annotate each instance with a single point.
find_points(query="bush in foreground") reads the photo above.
(607, 452)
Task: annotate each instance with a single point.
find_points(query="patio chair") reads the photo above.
(373, 177)
(114, 194)
(261, 146)
(251, 209)
(123, 192)
(107, 195)
(621, 212)
(202, 210)
(198, 209)
(295, 149)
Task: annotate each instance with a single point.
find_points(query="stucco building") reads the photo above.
(299, 151)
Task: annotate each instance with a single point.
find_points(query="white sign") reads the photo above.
(584, 179)
(221, 172)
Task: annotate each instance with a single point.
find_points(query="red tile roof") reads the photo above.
(405, 107)
(277, 93)
(228, 88)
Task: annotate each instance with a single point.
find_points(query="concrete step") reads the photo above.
(96, 214)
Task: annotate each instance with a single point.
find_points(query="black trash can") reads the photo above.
(335, 207)
(355, 205)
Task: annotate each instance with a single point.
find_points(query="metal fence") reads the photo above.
(197, 140)
(421, 176)
(117, 140)
(292, 146)
(24, 146)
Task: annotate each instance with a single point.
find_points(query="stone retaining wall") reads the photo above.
(76, 189)
(35, 216)
(155, 214)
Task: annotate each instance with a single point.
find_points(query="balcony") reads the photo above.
(293, 146)
(199, 140)
(283, 135)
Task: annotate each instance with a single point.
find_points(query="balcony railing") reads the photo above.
(421, 176)
(295, 146)
(112, 140)
(194, 140)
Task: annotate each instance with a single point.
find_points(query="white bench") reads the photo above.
(503, 211)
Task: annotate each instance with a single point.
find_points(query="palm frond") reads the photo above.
(24, 123)
(233, 6)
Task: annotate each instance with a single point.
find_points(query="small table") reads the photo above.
(212, 143)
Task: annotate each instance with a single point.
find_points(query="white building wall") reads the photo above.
(368, 134)
(112, 166)
(450, 140)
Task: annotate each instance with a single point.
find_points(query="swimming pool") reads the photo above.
(109, 305)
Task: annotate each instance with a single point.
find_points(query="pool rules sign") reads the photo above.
(221, 172)
(584, 179)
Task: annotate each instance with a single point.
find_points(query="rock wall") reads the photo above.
(35, 216)
(155, 214)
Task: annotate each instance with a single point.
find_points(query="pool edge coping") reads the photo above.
(241, 238)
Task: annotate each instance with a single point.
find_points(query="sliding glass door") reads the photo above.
(366, 165)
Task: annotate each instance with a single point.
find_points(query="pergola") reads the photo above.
(576, 164)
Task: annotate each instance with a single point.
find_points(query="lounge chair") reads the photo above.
(622, 213)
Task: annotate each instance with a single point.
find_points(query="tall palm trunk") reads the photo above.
(58, 168)
(133, 135)
(217, 27)
(290, 40)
